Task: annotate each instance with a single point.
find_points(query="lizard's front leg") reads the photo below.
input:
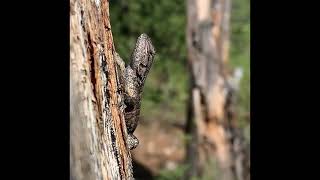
(120, 62)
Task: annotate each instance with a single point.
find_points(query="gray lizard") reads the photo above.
(132, 79)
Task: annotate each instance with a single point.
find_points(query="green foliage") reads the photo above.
(210, 172)
(177, 173)
(165, 92)
(240, 55)
(165, 23)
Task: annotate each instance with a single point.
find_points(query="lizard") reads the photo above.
(132, 79)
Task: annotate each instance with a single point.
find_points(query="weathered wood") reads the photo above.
(98, 148)
(208, 46)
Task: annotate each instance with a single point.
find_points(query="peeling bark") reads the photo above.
(98, 148)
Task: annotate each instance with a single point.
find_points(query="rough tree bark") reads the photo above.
(211, 95)
(98, 148)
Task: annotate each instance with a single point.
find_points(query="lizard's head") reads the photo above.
(145, 42)
(142, 57)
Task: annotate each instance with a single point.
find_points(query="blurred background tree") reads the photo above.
(166, 90)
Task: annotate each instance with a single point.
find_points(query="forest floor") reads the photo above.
(161, 146)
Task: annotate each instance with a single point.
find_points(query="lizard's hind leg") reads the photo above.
(133, 141)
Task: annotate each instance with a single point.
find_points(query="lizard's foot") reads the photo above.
(133, 141)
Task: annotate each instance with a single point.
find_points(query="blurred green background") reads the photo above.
(165, 23)
(166, 89)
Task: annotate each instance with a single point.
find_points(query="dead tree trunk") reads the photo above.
(98, 148)
(209, 108)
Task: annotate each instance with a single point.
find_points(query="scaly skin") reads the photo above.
(133, 79)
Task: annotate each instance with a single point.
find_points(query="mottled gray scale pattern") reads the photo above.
(134, 76)
(133, 141)
(142, 58)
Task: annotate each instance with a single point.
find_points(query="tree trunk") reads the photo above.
(98, 148)
(209, 107)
